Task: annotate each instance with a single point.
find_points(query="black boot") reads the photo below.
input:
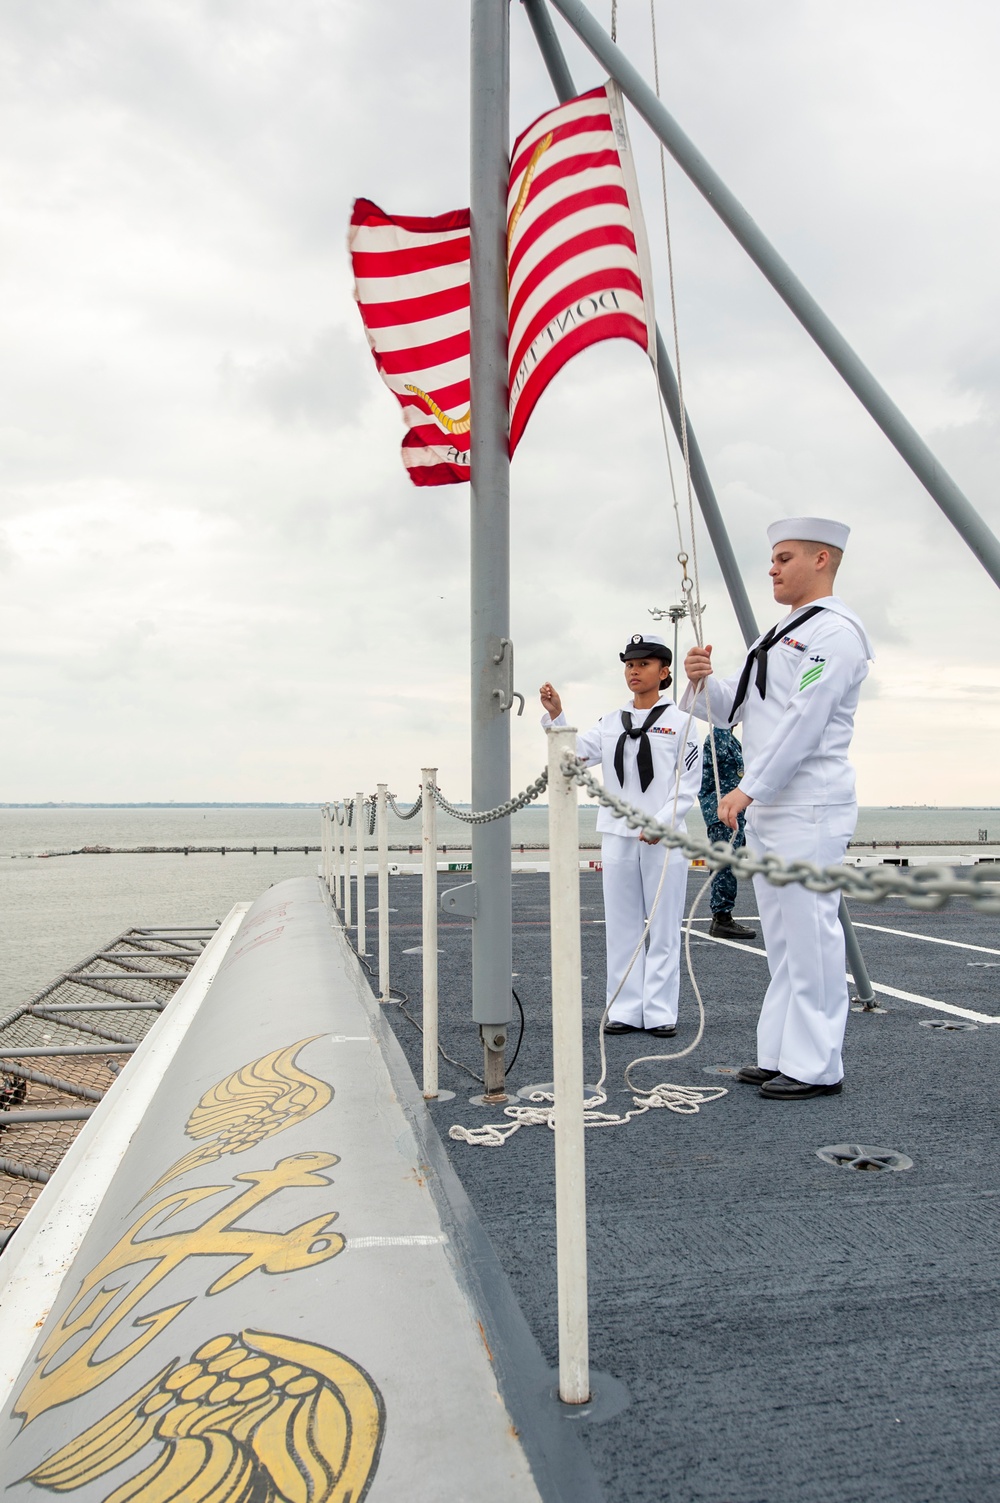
(724, 926)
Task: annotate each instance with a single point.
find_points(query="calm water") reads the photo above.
(54, 912)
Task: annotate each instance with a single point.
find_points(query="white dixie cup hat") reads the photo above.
(809, 530)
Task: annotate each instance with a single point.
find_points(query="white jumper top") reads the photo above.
(671, 739)
(796, 740)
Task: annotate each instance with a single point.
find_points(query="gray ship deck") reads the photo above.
(785, 1328)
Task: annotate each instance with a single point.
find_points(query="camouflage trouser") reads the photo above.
(723, 891)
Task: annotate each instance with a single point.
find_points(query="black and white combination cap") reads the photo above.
(648, 646)
(809, 530)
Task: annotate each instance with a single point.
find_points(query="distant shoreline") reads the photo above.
(172, 804)
(318, 803)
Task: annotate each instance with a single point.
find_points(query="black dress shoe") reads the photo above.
(663, 1031)
(724, 926)
(755, 1075)
(784, 1088)
(621, 1028)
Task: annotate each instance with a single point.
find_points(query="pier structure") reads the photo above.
(61, 1052)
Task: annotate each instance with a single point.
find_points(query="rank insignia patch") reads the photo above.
(812, 674)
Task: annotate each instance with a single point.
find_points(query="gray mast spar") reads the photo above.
(492, 669)
(562, 81)
(898, 430)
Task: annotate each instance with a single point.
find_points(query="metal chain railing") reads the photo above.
(410, 813)
(502, 811)
(929, 887)
(372, 810)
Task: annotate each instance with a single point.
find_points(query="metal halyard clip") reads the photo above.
(507, 693)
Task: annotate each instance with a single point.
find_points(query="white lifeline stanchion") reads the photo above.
(568, 1087)
(382, 834)
(337, 890)
(429, 932)
(327, 851)
(341, 862)
(346, 890)
(359, 829)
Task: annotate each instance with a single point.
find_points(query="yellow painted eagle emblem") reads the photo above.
(263, 1098)
(253, 1418)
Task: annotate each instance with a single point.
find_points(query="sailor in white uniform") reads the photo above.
(650, 756)
(796, 696)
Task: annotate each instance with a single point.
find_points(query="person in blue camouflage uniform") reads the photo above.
(729, 756)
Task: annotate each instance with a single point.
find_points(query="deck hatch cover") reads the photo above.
(948, 1025)
(864, 1156)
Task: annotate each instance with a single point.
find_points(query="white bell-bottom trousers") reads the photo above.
(801, 1027)
(632, 871)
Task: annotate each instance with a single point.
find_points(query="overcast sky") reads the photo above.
(216, 581)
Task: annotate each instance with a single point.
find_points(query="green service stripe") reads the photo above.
(810, 677)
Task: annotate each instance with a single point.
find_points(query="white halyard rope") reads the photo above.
(685, 1100)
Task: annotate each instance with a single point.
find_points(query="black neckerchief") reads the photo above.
(759, 654)
(644, 757)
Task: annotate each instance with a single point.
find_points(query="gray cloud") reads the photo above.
(210, 541)
(316, 385)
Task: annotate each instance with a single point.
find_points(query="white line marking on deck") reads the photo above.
(734, 944)
(414, 1241)
(959, 1012)
(887, 991)
(350, 1038)
(930, 939)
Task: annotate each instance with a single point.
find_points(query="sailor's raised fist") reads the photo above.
(551, 702)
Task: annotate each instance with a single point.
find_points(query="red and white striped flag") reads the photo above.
(578, 262)
(578, 270)
(412, 286)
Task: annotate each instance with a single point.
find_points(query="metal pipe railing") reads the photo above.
(382, 841)
(346, 887)
(359, 844)
(568, 1087)
(338, 859)
(429, 939)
